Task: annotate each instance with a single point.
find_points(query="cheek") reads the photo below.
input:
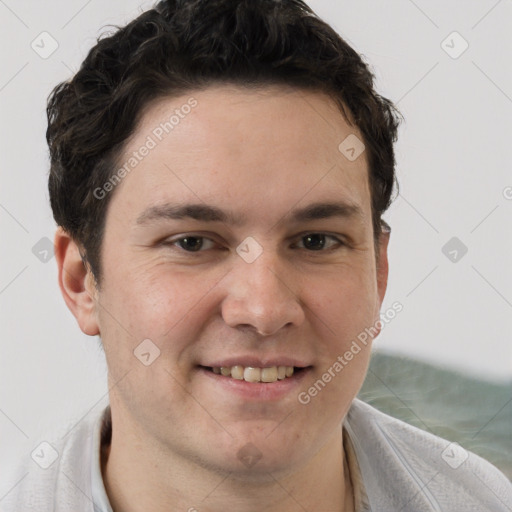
(347, 303)
(343, 315)
(175, 302)
(157, 302)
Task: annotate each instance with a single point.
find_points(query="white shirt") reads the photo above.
(393, 467)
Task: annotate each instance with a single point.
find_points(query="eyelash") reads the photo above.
(337, 245)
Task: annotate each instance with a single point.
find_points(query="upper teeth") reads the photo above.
(252, 374)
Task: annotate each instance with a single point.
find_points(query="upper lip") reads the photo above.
(257, 362)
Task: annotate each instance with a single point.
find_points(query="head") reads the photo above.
(242, 235)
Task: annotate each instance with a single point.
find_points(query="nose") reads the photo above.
(262, 295)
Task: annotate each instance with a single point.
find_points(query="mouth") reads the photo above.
(253, 374)
(255, 378)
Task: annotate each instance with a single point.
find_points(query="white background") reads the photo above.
(454, 157)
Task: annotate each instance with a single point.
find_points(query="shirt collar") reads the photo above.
(102, 436)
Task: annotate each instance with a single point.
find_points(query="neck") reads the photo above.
(137, 479)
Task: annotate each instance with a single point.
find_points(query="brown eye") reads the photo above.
(191, 243)
(319, 242)
(314, 242)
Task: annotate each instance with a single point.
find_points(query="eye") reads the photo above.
(193, 243)
(318, 242)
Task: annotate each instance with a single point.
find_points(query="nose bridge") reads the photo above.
(262, 282)
(265, 279)
(261, 294)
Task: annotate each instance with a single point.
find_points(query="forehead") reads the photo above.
(244, 148)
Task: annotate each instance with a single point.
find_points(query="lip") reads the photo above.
(257, 391)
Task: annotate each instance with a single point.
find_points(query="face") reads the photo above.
(243, 239)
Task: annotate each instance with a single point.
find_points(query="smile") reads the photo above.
(253, 374)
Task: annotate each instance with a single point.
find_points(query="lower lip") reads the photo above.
(267, 391)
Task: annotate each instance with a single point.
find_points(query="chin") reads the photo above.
(256, 456)
(259, 466)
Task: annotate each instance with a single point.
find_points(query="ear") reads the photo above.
(382, 263)
(76, 283)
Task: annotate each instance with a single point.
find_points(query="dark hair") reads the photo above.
(185, 45)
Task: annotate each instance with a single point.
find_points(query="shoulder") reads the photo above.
(55, 474)
(406, 468)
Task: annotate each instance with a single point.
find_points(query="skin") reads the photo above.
(260, 154)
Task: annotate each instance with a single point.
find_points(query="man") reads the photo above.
(219, 170)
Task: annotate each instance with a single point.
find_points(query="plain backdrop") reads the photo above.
(454, 170)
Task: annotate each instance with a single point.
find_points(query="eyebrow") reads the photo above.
(209, 213)
(201, 212)
(318, 211)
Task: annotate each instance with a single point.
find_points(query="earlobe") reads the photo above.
(76, 283)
